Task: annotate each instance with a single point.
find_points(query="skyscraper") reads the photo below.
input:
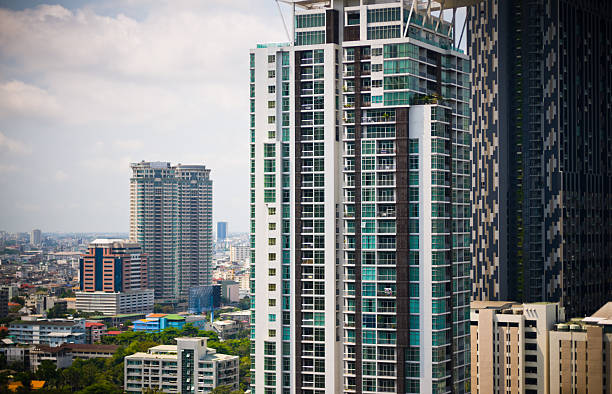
(35, 237)
(542, 168)
(171, 217)
(221, 231)
(360, 203)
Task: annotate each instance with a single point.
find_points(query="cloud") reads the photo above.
(13, 146)
(22, 99)
(60, 176)
(129, 145)
(27, 207)
(8, 168)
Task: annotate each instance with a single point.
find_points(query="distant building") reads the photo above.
(94, 331)
(157, 322)
(509, 346)
(13, 291)
(204, 298)
(49, 332)
(187, 367)
(110, 304)
(226, 329)
(4, 300)
(113, 265)
(240, 253)
(581, 354)
(35, 237)
(63, 356)
(230, 290)
(171, 217)
(113, 279)
(221, 231)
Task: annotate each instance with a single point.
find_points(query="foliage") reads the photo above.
(244, 303)
(18, 300)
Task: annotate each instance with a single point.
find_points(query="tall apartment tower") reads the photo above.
(35, 237)
(542, 159)
(171, 217)
(360, 203)
(221, 231)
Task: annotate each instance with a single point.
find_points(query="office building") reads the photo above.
(204, 298)
(581, 354)
(171, 218)
(360, 202)
(541, 99)
(35, 237)
(229, 290)
(113, 279)
(4, 300)
(221, 231)
(48, 332)
(112, 304)
(510, 348)
(187, 367)
(113, 265)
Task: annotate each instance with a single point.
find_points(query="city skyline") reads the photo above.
(155, 96)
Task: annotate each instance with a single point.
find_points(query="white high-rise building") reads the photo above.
(360, 202)
(35, 237)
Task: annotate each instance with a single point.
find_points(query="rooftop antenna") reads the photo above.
(283, 18)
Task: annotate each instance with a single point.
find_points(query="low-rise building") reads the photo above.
(94, 331)
(187, 367)
(48, 332)
(581, 354)
(226, 328)
(110, 304)
(63, 356)
(156, 322)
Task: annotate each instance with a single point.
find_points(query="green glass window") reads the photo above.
(309, 20)
(269, 180)
(368, 273)
(269, 196)
(383, 15)
(368, 210)
(310, 37)
(269, 165)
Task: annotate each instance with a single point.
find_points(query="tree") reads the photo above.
(18, 300)
(47, 371)
(222, 390)
(244, 303)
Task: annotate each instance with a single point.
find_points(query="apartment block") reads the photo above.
(510, 347)
(542, 151)
(187, 367)
(360, 202)
(581, 354)
(48, 332)
(111, 304)
(171, 218)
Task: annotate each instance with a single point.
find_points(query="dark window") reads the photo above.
(531, 335)
(531, 346)
(531, 357)
(530, 323)
(532, 381)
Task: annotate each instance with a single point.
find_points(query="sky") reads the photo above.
(87, 87)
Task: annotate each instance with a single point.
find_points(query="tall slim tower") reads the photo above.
(360, 203)
(542, 94)
(171, 217)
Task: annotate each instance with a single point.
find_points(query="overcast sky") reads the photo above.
(86, 87)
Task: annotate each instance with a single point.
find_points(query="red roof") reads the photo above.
(113, 332)
(93, 324)
(157, 315)
(13, 304)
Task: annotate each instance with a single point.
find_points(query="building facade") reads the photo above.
(187, 367)
(35, 237)
(113, 265)
(360, 203)
(171, 217)
(510, 348)
(542, 178)
(4, 300)
(111, 304)
(580, 354)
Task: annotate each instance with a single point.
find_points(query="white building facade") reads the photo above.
(188, 367)
(110, 304)
(360, 203)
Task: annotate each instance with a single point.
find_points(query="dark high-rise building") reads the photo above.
(4, 300)
(542, 151)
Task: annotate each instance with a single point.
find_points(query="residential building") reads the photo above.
(4, 300)
(580, 354)
(510, 348)
(187, 367)
(171, 218)
(360, 202)
(221, 231)
(239, 253)
(35, 237)
(94, 331)
(226, 329)
(48, 332)
(111, 304)
(542, 197)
